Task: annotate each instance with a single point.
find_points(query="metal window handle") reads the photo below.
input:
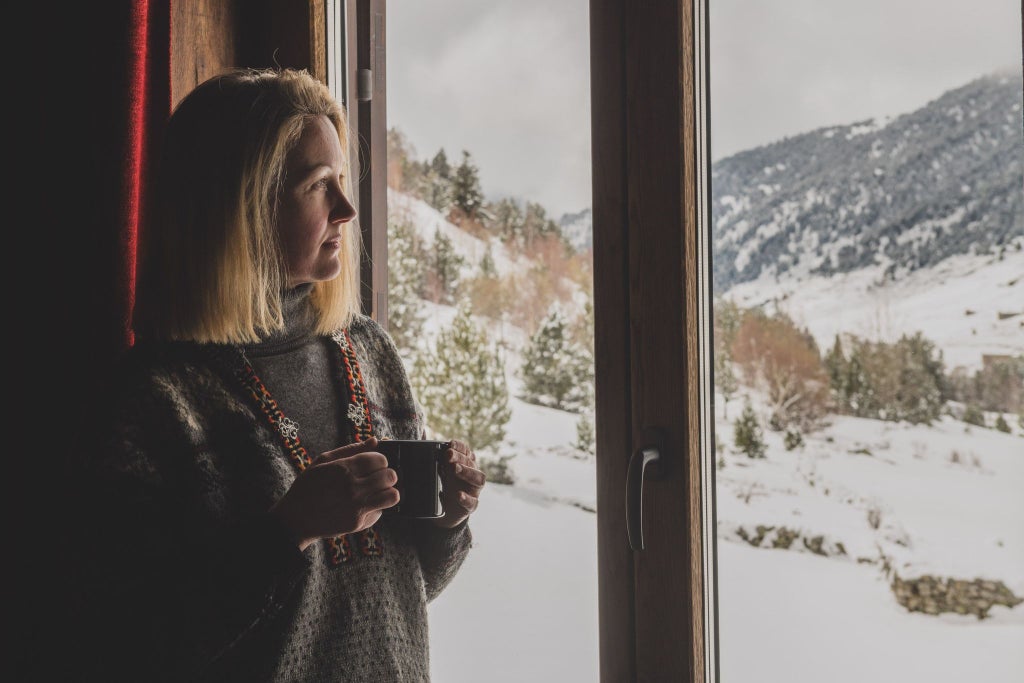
(645, 461)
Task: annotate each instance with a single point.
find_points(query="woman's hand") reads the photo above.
(341, 492)
(462, 483)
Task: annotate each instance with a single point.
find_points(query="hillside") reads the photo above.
(903, 194)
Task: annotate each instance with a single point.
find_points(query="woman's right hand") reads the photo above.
(341, 492)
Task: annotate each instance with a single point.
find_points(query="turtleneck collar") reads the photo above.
(299, 321)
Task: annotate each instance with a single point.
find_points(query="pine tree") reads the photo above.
(1002, 425)
(467, 195)
(835, 365)
(556, 372)
(586, 439)
(440, 166)
(435, 185)
(506, 221)
(536, 225)
(445, 269)
(747, 435)
(406, 279)
(487, 267)
(973, 415)
(461, 384)
(725, 380)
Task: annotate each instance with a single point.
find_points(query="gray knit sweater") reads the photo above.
(190, 579)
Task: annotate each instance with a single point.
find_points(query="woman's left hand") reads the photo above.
(462, 482)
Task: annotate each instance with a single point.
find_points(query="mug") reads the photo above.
(418, 464)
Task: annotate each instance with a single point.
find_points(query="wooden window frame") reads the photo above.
(652, 308)
(657, 606)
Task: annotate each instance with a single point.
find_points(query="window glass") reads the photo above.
(867, 196)
(490, 302)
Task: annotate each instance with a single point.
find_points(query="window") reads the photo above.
(662, 193)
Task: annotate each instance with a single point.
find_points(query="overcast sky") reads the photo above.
(510, 83)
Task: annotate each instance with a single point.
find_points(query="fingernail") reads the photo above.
(458, 468)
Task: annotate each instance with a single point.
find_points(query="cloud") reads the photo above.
(512, 87)
(509, 82)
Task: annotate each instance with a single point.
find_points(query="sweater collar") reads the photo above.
(299, 322)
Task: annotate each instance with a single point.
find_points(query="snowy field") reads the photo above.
(957, 304)
(524, 606)
(915, 500)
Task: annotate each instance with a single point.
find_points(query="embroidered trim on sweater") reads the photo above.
(358, 412)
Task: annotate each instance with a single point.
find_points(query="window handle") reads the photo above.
(646, 461)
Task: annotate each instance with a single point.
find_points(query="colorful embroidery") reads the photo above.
(359, 409)
(358, 412)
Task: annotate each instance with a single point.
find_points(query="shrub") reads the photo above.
(973, 415)
(747, 435)
(586, 440)
(904, 380)
(775, 355)
(1002, 425)
(792, 439)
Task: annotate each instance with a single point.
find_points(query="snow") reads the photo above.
(945, 497)
(957, 304)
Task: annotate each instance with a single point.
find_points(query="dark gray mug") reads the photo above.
(418, 464)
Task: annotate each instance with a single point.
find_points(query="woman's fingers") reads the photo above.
(346, 451)
(378, 480)
(470, 479)
(381, 500)
(459, 452)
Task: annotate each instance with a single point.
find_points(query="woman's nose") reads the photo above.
(343, 210)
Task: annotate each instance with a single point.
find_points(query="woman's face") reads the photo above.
(313, 209)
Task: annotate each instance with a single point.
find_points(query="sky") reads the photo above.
(524, 605)
(509, 82)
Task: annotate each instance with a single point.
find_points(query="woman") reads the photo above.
(232, 514)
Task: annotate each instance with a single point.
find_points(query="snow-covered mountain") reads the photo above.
(578, 229)
(902, 194)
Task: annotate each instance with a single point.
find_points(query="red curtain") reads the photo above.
(148, 102)
(101, 96)
(127, 101)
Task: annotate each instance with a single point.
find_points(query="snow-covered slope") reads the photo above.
(968, 305)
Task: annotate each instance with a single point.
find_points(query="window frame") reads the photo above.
(649, 64)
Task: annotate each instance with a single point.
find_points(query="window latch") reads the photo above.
(647, 461)
(364, 85)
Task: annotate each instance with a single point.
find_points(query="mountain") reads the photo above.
(904, 194)
(578, 229)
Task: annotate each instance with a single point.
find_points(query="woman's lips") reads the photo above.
(333, 244)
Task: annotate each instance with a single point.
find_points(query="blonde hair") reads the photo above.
(211, 267)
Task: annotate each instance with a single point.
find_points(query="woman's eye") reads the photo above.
(321, 184)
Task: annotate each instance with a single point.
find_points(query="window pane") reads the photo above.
(868, 274)
(490, 293)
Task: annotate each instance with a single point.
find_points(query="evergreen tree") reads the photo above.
(725, 380)
(506, 221)
(466, 193)
(536, 225)
(487, 267)
(1002, 425)
(727, 317)
(586, 438)
(461, 384)
(556, 372)
(486, 290)
(973, 415)
(835, 366)
(747, 435)
(435, 185)
(440, 166)
(445, 269)
(406, 279)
